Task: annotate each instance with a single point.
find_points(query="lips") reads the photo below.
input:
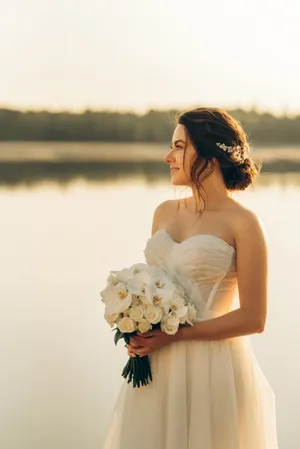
(173, 169)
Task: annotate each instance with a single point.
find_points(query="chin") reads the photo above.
(178, 182)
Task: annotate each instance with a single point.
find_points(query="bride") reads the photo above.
(208, 389)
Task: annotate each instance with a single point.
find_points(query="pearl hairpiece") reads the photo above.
(227, 148)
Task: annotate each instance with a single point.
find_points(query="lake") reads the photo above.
(60, 371)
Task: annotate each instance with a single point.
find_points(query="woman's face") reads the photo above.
(174, 157)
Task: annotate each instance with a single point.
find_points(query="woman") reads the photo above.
(208, 390)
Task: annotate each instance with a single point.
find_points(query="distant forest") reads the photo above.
(153, 126)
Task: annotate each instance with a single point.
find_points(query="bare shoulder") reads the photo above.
(248, 229)
(161, 212)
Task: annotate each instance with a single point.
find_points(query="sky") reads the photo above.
(133, 55)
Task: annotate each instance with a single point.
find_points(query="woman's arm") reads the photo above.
(232, 324)
(252, 277)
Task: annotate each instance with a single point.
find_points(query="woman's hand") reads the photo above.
(130, 351)
(144, 344)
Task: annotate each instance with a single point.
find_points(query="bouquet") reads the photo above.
(138, 299)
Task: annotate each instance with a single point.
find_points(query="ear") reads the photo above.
(214, 161)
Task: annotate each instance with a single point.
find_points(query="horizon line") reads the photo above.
(143, 111)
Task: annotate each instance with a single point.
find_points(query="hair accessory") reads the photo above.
(227, 148)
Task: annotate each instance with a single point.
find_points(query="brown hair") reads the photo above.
(205, 127)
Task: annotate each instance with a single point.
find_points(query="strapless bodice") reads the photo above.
(204, 264)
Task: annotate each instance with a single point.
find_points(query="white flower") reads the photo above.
(169, 300)
(112, 280)
(149, 292)
(153, 314)
(135, 301)
(144, 326)
(173, 320)
(116, 298)
(181, 312)
(176, 301)
(123, 275)
(136, 284)
(160, 280)
(169, 324)
(148, 285)
(137, 267)
(136, 313)
(126, 325)
(161, 298)
(157, 274)
(165, 296)
(191, 313)
(112, 318)
(183, 319)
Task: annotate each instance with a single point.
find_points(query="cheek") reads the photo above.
(182, 160)
(188, 161)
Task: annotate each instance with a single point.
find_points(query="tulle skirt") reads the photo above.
(204, 395)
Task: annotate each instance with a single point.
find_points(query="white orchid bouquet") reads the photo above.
(138, 299)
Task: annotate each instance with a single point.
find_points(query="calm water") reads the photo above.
(60, 372)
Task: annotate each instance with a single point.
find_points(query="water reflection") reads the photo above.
(60, 371)
(32, 163)
(35, 174)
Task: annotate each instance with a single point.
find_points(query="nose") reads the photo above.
(169, 158)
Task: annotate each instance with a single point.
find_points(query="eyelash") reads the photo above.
(177, 146)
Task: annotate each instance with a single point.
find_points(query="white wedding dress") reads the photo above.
(204, 394)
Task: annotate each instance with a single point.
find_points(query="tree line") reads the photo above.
(152, 126)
